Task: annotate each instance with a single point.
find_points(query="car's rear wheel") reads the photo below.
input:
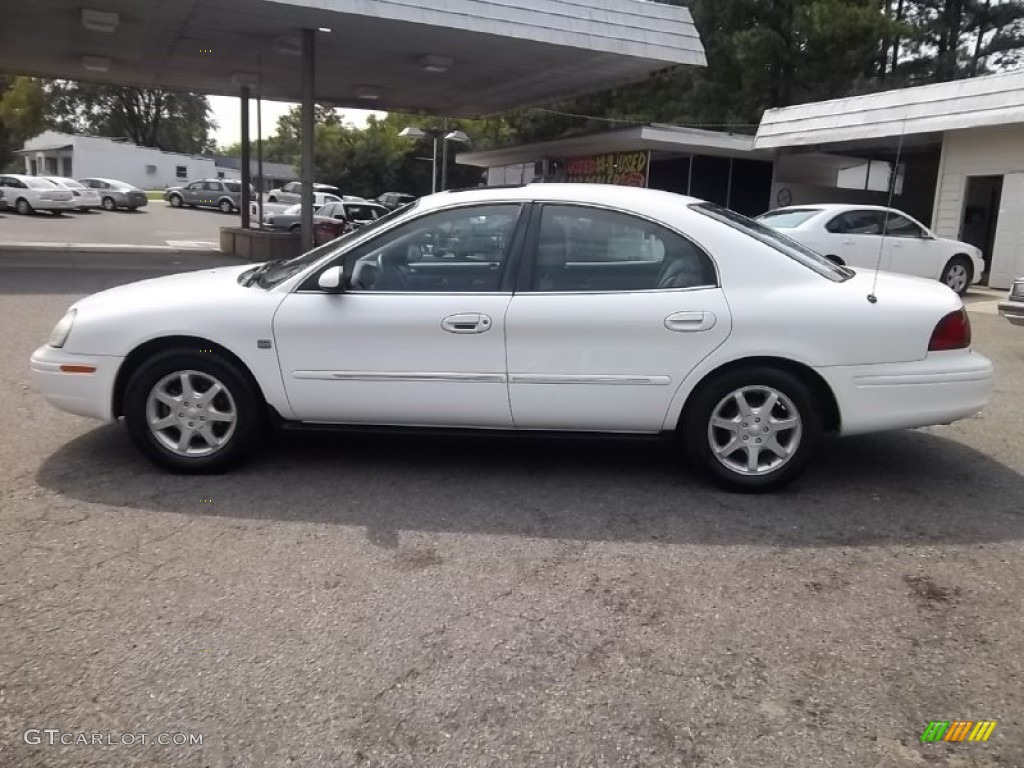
(23, 206)
(226, 206)
(752, 429)
(175, 201)
(109, 204)
(958, 274)
(193, 412)
(295, 228)
(271, 199)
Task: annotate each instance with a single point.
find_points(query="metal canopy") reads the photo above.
(461, 58)
(657, 137)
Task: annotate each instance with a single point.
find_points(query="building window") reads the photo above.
(220, 174)
(181, 171)
(150, 169)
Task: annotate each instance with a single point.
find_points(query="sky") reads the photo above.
(227, 111)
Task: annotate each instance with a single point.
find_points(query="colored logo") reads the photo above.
(958, 730)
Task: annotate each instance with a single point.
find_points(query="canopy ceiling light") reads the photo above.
(431, 63)
(96, 63)
(367, 92)
(99, 21)
(460, 136)
(244, 78)
(289, 45)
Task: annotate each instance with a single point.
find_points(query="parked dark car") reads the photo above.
(224, 195)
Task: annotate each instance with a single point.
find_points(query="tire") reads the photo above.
(226, 206)
(271, 199)
(109, 204)
(958, 274)
(717, 398)
(175, 201)
(836, 260)
(239, 398)
(23, 206)
(295, 228)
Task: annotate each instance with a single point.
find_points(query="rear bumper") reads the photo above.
(941, 389)
(83, 394)
(55, 205)
(1012, 311)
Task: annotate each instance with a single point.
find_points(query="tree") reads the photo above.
(150, 117)
(22, 116)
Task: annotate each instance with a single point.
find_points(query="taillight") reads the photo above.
(952, 332)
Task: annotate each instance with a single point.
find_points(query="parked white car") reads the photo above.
(853, 235)
(578, 307)
(269, 209)
(33, 193)
(292, 192)
(85, 199)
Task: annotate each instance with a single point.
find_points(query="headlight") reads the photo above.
(62, 330)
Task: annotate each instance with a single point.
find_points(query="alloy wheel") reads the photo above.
(191, 413)
(755, 430)
(956, 277)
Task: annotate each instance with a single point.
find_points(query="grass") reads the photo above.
(154, 194)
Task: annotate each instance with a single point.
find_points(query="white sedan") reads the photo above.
(85, 199)
(27, 194)
(558, 307)
(875, 237)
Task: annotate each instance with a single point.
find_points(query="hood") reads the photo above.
(164, 291)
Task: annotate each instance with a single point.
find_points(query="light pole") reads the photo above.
(437, 134)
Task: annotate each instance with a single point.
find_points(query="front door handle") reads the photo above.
(691, 321)
(897, 244)
(467, 322)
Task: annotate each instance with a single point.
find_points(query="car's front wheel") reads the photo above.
(193, 412)
(175, 201)
(752, 429)
(958, 274)
(23, 207)
(226, 206)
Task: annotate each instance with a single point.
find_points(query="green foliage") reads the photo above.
(22, 116)
(150, 117)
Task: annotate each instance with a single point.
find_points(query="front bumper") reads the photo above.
(941, 389)
(1012, 311)
(83, 394)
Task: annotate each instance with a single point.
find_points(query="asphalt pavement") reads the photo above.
(157, 224)
(372, 601)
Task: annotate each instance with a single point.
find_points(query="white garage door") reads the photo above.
(1008, 250)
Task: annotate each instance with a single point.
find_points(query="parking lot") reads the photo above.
(155, 224)
(357, 601)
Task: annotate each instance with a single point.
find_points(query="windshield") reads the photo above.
(275, 272)
(787, 219)
(775, 240)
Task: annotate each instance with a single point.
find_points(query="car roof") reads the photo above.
(832, 207)
(598, 194)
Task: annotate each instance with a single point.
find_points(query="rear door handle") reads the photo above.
(691, 321)
(467, 322)
(848, 241)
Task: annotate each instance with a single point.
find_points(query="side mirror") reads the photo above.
(331, 278)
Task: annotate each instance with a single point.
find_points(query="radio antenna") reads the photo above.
(893, 175)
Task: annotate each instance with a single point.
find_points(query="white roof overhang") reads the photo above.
(974, 103)
(658, 137)
(500, 53)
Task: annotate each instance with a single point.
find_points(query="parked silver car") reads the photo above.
(116, 194)
(222, 194)
(1013, 308)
